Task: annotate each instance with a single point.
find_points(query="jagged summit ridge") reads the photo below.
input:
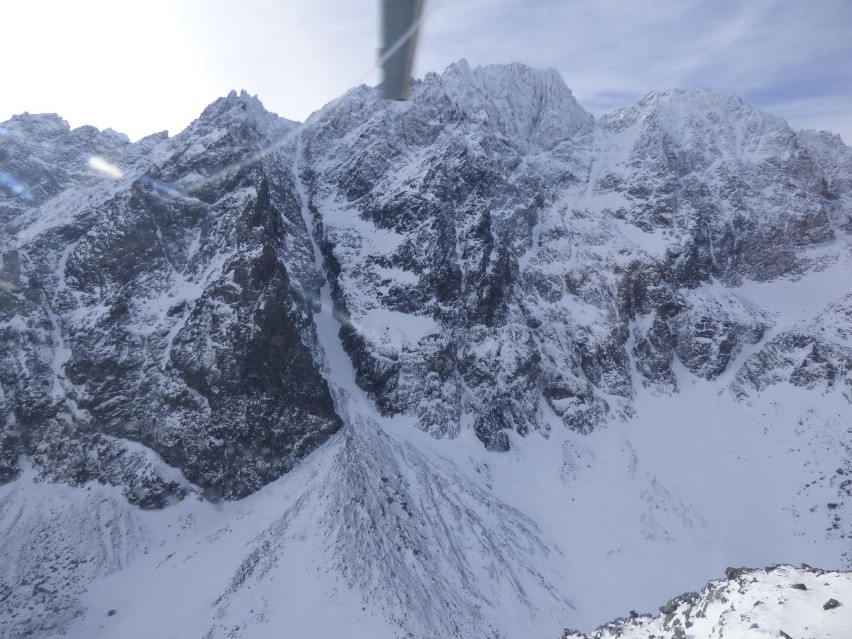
(36, 124)
(716, 124)
(239, 106)
(526, 105)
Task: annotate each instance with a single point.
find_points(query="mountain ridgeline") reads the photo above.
(499, 260)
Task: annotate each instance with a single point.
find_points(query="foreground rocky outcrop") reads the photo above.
(782, 601)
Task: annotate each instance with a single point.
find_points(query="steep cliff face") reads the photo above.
(426, 210)
(176, 317)
(491, 274)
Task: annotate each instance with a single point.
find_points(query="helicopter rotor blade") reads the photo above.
(400, 23)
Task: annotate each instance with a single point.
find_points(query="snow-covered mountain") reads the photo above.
(475, 364)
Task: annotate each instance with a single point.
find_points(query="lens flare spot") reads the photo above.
(102, 166)
(163, 189)
(12, 184)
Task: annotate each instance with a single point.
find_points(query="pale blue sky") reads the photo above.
(141, 67)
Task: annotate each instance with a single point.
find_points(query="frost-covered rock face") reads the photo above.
(816, 355)
(427, 208)
(500, 255)
(735, 185)
(497, 258)
(781, 601)
(176, 317)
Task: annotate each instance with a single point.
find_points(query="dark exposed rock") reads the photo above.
(654, 354)
(736, 573)
(162, 318)
(802, 359)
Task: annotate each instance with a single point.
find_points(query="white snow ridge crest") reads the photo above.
(472, 365)
(782, 601)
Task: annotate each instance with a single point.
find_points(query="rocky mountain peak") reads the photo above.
(237, 114)
(35, 124)
(532, 107)
(234, 105)
(46, 127)
(714, 123)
